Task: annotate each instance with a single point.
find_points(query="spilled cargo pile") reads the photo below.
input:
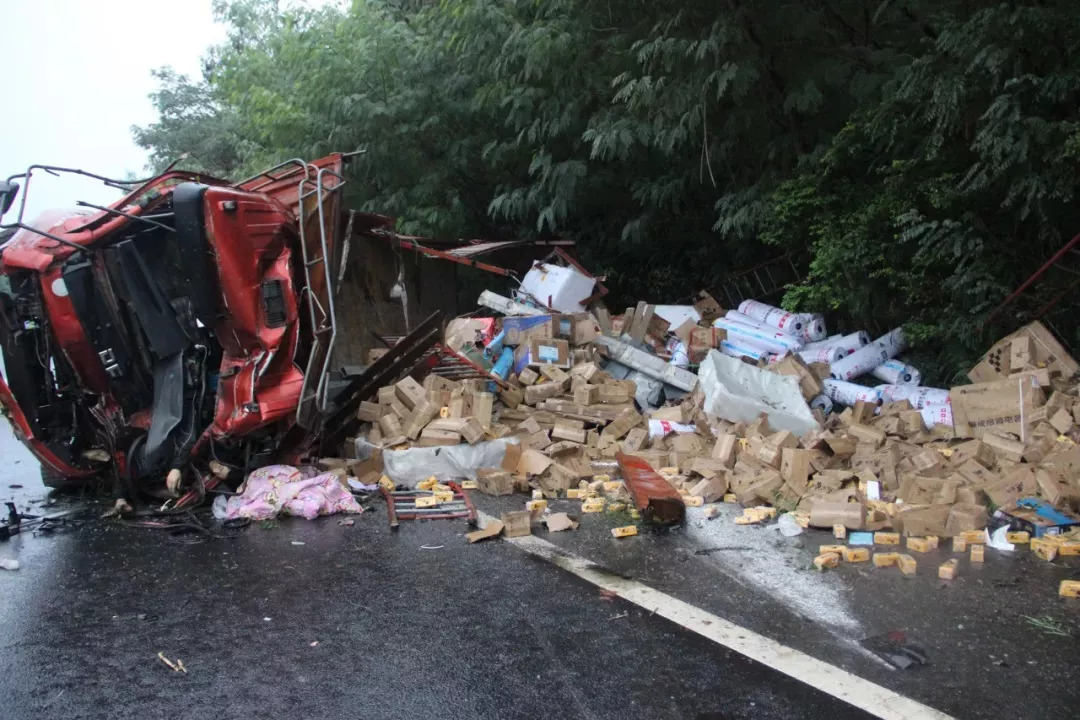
(609, 411)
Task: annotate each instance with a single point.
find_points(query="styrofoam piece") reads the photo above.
(860, 362)
(895, 372)
(814, 330)
(937, 415)
(559, 288)
(765, 338)
(662, 428)
(778, 318)
(676, 315)
(919, 397)
(847, 393)
(743, 350)
(894, 341)
(739, 392)
(824, 402)
(445, 462)
(827, 355)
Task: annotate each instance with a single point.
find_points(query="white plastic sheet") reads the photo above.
(740, 392)
(445, 462)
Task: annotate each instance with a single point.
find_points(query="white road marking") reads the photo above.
(837, 682)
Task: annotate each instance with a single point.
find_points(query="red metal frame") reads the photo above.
(1054, 259)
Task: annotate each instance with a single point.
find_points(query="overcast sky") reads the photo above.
(76, 78)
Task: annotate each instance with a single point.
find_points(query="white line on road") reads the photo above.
(837, 682)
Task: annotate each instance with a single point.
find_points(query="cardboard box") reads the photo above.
(549, 351)
(1045, 351)
(707, 306)
(907, 564)
(578, 328)
(978, 553)
(517, 523)
(993, 406)
(494, 482)
(886, 559)
(1039, 518)
(521, 330)
(947, 569)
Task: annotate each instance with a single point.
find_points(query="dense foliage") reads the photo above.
(917, 158)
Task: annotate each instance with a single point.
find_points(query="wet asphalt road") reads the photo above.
(354, 622)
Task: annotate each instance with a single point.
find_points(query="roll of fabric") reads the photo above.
(743, 350)
(846, 393)
(824, 402)
(919, 397)
(853, 341)
(765, 338)
(827, 355)
(894, 341)
(814, 330)
(772, 316)
(895, 372)
(860, 362)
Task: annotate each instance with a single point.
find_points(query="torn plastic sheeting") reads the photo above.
(445, 462)
(845, 393)
(663, 428)
(656, 498)
(740, 392)
(895, 372)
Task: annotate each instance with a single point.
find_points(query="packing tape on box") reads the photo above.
(895, 372)
(781, 319)
(919, 397)
(846, 393)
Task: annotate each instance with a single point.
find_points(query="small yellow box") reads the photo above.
(836, 549)
(425, 501)
(919, 544)
(907, 564)
(443, 497)
(1069, 548)
(534, 505)
(974, 537)
(593, 505)
(616, 506)
(386, 483)
(575, 493)
(886, 538)
(1069, 588)
(468, 485)
(624, 531)
(856, 554)
(601, 478)
(634, 514)
(1018, 538)
(1044, 549)
(978, 553)
(828, 560)
(934, 540)
(668, 472)
(885, 559)
(839, 532)
(427, 484)
(693, 501)
(612, 486)
(803, 520)
(748, 518)
(959, 544)
(767, 512)
(947, 569)
(730, 498)
(537, 494)
(444, 412)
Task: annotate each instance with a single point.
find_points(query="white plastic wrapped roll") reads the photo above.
(662, 428)
(860, 362)
(853, 341)
(937, 415)
(765, 338)
(895, 372)
(746, 320)
(743, 350)
(814, 330)
(827, 355)
(893, 341)
(827, 342)
(919, 397)
(845, 393)
(824, 402)
(778, 318)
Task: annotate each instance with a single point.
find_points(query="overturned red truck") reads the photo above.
(192, 319)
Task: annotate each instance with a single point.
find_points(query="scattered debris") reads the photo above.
(9, 564)
(1048, 625)
(178, 666)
